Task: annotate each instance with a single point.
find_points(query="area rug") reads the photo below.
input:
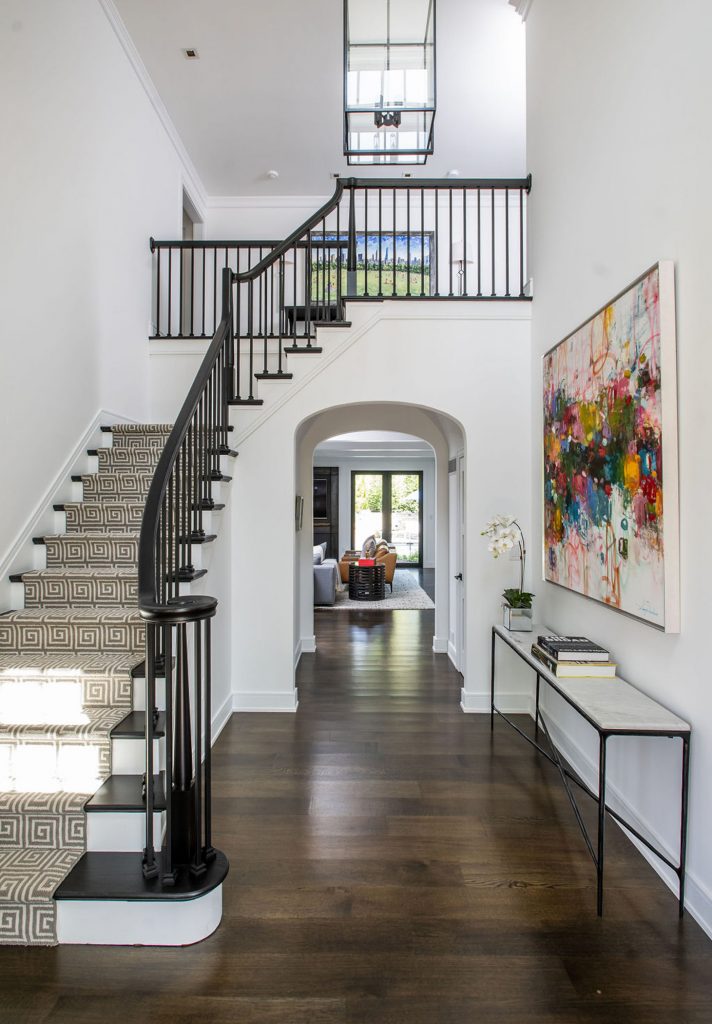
(407, 595)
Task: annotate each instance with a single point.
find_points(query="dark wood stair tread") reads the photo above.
(119, 876)
(124, 793)
(274, 376)
(296, 349)
(246, 401)
(134, 726)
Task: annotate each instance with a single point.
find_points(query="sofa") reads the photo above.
(373, 547)
(326, 576)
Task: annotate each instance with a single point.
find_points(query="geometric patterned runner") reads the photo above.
(66, 663)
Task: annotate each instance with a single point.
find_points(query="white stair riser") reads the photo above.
(120, 831)
(128, 756)
(140, 922)
(139, 694)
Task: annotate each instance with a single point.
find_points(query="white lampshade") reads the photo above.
(458, 254)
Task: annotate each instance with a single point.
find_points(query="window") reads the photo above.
(390, 503)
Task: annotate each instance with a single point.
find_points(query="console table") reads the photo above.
(613, 708)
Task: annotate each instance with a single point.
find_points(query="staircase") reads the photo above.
(72, 722)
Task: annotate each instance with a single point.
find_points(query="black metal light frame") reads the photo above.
(390, 117)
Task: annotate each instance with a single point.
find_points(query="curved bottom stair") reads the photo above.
(72, 747)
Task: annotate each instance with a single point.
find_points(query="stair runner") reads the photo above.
(66, 664)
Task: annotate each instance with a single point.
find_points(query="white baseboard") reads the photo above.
(452, 654)
(280, 700)
(478, 703)
(305, 645)
(221, 717)
(19, 555)
(440, 645)
(698, 899)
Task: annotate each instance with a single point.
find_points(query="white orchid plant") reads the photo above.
(505, 533)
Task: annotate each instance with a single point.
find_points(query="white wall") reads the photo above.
(620, 148)
(88, 174)
(381, 463)
(479, 375)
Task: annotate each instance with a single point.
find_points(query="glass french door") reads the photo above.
(390, 503)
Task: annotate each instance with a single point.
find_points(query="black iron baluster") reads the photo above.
(181, 321)
(159, 253)
(307, 288)
(338, 261)
(464, 241)
(198, 865)
(236, 343)
(380, 241)
(228, 316)
(479, 245)
(449, 195)
(280, 313)
(250, 322)
(521, 243)
(168, 874)
(263, 324)
(506, 241)
(170, 290)
(365, 242)
(294, 297)
(407, 228)
(434, 249)
(215, 290)
(351, 261)
(209, 853)
(422, 241)
(192, 292)
(150, 868)
(202, 299)
(494, 280)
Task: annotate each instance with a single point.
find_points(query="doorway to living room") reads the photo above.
(415, 449)
(374, 502)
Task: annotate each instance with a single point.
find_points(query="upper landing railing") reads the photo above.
(379, 238)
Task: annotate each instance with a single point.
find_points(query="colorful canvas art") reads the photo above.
(610, 455)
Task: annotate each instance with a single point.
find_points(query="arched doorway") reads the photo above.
(444, 437)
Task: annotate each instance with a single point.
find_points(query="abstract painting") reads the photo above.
(610, 455)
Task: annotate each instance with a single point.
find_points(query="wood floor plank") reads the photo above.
(391, 863)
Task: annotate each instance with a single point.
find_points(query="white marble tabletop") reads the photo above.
(610, 704)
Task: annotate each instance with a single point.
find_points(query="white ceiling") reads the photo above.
(370, 443)
(266, 92)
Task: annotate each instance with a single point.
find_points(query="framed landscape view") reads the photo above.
(611, 517)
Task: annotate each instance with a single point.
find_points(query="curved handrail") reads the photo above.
(180, 609)
(291, 240)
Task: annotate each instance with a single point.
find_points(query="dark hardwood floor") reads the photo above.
(392, 863)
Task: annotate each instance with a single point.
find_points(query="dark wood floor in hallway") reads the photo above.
(392, 863)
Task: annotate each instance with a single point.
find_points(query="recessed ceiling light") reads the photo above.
(190, 53)
(273, 174)
(454, 173)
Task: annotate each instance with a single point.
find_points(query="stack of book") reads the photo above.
(570, 657)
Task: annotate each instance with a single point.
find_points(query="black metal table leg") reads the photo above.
(683, 819)
(601, 819)
(536, 712)
(494, 637)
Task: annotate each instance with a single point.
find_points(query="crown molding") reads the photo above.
(522, 7)
(191, 178)
(266, 202)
